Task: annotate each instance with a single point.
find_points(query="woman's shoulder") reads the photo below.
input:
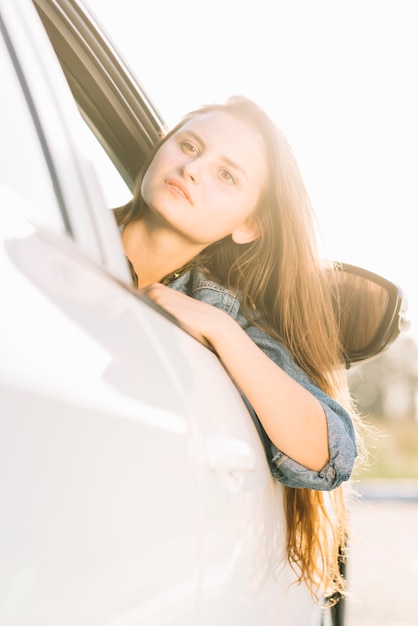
(198, 284)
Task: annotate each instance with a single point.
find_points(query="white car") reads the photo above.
(135, 486)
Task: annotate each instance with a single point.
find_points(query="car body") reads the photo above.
(134, 483)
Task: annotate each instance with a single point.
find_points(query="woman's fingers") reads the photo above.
(191, 314)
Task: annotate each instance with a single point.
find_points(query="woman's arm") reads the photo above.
(292, 417)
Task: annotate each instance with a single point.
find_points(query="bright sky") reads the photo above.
(338, 77)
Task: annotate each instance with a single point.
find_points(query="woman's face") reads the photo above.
(206, 179)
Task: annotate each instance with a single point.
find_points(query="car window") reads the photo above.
(113, 187)
(23, 166)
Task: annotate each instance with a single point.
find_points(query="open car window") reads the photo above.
(125, 125)
(114, 188)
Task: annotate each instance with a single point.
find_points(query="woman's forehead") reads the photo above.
(219, 120)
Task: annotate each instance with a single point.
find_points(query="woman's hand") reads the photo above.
(205, 322)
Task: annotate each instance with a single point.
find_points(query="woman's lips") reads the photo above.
(177, 187)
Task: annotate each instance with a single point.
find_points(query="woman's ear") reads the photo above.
(246, 233)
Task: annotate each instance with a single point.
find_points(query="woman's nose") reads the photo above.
(189, 171)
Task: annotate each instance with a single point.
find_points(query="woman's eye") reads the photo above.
(227, 176)
(189, 147)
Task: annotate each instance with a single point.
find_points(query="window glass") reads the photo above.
(23, 167)
(114, 189)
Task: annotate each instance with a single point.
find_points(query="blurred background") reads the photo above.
(339, 79)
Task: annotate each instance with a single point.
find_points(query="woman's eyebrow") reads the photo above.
(235, 166)
(195, 136)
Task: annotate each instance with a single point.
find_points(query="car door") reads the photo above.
(97, 455)
(133, 479)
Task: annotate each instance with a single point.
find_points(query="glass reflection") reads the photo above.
(362, 306)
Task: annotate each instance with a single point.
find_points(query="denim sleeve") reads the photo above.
(341, 435)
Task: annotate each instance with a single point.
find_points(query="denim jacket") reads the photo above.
(341, 436)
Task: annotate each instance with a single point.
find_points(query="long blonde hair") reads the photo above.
(281, 276)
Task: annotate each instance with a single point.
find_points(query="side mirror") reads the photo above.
(371, 312)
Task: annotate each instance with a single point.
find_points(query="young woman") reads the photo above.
(220, 233)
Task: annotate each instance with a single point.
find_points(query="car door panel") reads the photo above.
(128, 385)
(134, 482)
(93, 462)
